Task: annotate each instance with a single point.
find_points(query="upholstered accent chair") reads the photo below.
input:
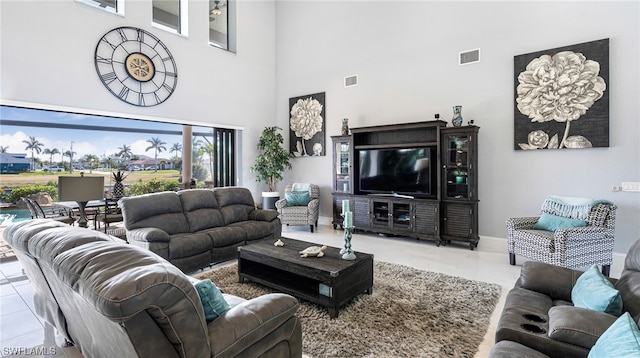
(570, 232)
(296, 209)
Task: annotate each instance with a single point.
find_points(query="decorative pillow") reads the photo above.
(550, 222)
(212, 300)
(297, 198)
(594, 291)
(620, 340)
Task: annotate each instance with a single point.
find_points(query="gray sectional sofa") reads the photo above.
(111, 299)
(195, 228)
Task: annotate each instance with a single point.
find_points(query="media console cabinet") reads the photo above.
(446, 211)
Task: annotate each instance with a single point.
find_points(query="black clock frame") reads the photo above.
(135, 66)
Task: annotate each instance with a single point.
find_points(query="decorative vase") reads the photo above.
(345, 126)
(457, 116)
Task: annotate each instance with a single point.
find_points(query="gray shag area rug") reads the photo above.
(411, 313)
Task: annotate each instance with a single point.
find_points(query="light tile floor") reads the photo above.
(21, 329)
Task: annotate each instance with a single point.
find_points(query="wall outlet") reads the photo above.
(631, 186)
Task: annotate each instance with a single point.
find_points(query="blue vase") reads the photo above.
(457, 116)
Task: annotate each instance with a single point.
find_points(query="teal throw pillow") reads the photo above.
(550, 222)
(297, 198)
(620, 340)
(212, 300)
(595, 292)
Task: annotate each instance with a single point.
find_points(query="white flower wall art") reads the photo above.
(307, 125)
(562, 97)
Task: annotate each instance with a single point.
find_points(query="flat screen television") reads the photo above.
(404, 171)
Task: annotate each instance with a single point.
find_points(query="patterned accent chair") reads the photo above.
(300, 215)
(574, 247)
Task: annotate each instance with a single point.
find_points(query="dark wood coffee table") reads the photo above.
(328, 281)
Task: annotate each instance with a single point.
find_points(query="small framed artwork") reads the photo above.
(562, 97)
(307, 125)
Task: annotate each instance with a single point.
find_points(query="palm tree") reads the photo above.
(92, 160)
(34, 145)
(158, 146)
(70, 153)
(175, 148)
(4, 149)
(209, 150)
(51, 153)
(125, 153)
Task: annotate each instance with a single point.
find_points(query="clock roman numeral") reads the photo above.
(123, 93)
(158, 100)
(104, 60)
(140, 99)
(123, 35)
(167, 87)
(104, 39)
(109, 77)
(140, 35)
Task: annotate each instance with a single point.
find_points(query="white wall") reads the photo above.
(405, 54)
(47, 50)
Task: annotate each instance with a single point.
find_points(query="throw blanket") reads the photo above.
(568, 207)
(300, 187)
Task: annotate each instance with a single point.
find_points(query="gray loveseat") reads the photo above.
(539, 320)
(197, 227)
(111, 299)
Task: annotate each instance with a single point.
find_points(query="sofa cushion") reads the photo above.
(549, 222)
(620, 340)
(212, 300)
(234, 213)
(201, 209)
(187, 244)
(579, 326)
(255, 229)
(594, 291)
(48, 244)
(158, 210)
(226, 236)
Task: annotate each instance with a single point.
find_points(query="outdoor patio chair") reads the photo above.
(37, 211)
(570, 232)
(111, 214)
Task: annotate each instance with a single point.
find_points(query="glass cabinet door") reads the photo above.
(457, 167)
(342, 166)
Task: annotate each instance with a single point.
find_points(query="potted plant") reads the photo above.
(271, 162)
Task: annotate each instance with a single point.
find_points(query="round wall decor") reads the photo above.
(136, 66)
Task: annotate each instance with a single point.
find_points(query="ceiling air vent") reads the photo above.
(351, 81)
(469, 57)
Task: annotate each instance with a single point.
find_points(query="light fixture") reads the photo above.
(216, 10)
(81, 189)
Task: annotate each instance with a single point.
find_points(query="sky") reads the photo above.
(85, 141)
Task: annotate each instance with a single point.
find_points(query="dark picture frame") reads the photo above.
(307, 125)
(562, 97)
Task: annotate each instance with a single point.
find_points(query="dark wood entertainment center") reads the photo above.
(445, 204)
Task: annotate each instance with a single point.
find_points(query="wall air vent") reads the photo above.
(351, 81)
(469, 57)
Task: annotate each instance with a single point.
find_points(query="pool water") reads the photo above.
(11, 216)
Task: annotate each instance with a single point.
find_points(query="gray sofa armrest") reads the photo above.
(553, 281)
(249, 322)
(148, 234)
(263, 215)
(578, 326)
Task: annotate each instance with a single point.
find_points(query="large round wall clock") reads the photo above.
(136, 66)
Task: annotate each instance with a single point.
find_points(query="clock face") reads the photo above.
(135, 66)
